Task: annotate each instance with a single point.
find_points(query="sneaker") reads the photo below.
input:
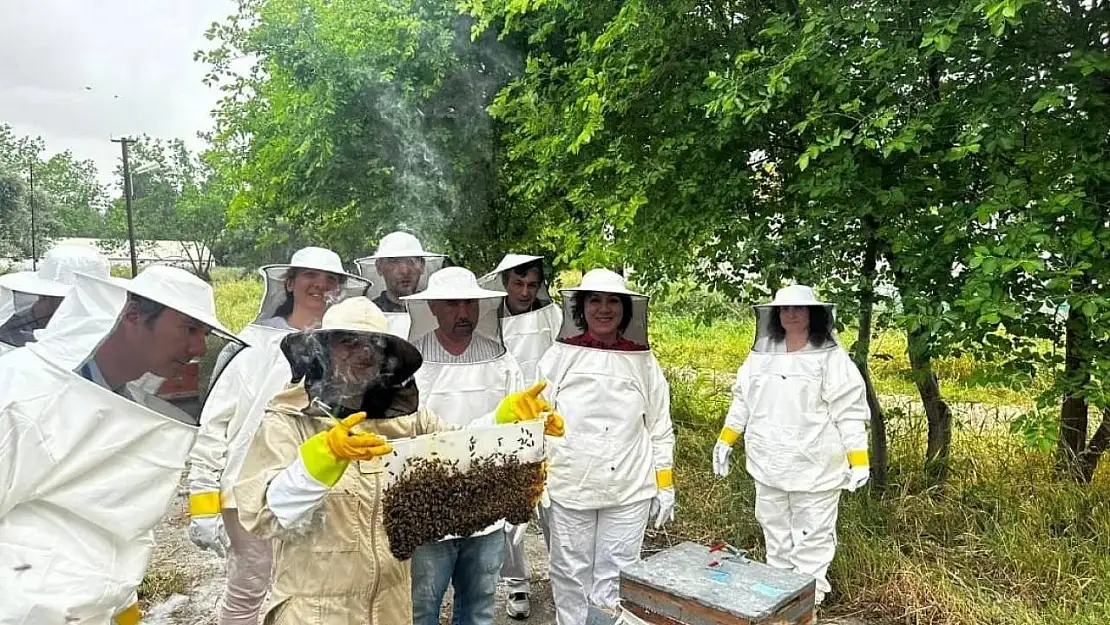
(518, 606)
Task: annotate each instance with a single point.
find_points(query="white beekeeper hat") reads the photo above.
(57, 271)
(454, 283)
(795, 295)
(177, 289)
(603, 281)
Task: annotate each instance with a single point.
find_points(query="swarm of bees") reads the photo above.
(432, 498)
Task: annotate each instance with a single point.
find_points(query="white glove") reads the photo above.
(858, 477)
(721, 453)
(663, 506)
(207, 532)
(545, 499)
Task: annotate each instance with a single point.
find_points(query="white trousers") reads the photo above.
(588, 549)
(800, 531)
(249, 563)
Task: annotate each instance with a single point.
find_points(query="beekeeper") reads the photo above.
(398, 268)
(89, 462)
(614, 467)
(801, 405)
(29, 298)
(296, 296)
(466, 372)
(312, 478)
(530, 321)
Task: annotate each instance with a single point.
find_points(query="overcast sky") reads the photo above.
(80, 72)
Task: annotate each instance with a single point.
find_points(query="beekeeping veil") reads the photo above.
(399, 247)
(28, 298)
(632, 318)
(277, 302)
(498, 279)
(770, 336)
(353, 363)
(311, 258)
(90, 471)
(451, 285)
(528, 335)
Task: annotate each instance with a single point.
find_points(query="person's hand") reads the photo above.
(663, 506)
(554, 425)
(327, 454)
(206, 525)
(721, 453)
(523, 405)
(208, 533)
(861, 469)
(859, 476)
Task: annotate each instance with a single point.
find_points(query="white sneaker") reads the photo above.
(518, 606)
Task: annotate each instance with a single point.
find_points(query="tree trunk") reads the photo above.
(1073, 414)
(937, 412)
(1088, 460)
(879, 455)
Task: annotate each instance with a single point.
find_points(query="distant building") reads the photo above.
(183, 254)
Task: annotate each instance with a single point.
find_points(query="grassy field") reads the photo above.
(1003, 543)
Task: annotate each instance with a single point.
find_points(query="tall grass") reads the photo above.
(1002, 543)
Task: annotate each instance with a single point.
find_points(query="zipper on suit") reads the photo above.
(374, 544)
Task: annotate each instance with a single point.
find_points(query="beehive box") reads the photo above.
(457, 483)
(689, 585)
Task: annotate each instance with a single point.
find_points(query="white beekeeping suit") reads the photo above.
(232, 414)
(530, 333)
(400, 267)
(613, 469)
(801, 406)
(89, 462)
(28, 298)
(530, 321)
(461, 388)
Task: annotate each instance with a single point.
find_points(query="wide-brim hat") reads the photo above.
(317, 258)
(57, 271)
(795, 295)
(359, 318)
(453, 283)
(603, 281)
(177, 289)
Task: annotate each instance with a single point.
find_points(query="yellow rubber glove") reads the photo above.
(327, 454)
(523, 405)
(554, 425)
(130, 616)
(529, 406)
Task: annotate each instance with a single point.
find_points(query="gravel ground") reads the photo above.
(187, 582)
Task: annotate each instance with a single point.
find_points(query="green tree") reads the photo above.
(852, 145)
(174, 197)
(358, 117)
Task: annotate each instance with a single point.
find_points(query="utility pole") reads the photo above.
(124, 142)
(34, 252)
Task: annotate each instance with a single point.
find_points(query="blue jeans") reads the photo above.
(472, 564)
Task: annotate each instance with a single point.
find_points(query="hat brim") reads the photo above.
(304, 341)
(204, 318)
(473, 293)
(276, 271)
(579, 289)
(30, 282)
(424, 255)
(511, 261)
(785, 304)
